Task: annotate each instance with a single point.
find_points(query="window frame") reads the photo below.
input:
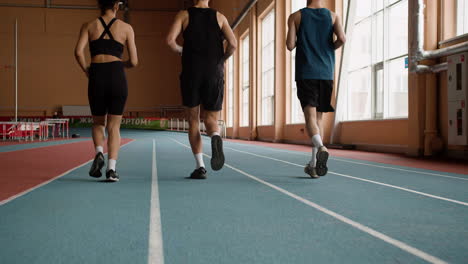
(377, 64)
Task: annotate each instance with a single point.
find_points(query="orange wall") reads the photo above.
(48, 74)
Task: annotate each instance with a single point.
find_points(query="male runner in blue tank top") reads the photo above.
(202, 79)
(311, 32)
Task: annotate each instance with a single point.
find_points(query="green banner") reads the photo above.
(133, 123)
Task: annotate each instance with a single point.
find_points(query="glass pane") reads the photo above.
(268, 68)
(297, 4)
(378, 39)
(398, 27)
(361, 45)
(398, 88)
(230, 92)
(245, 81)
(390, 2)
(359, 94)
(268, 27)
(363, 9)
(245, 107)
(379, 94)
(378, 5)
(462, 17)
(245, 62)
(267, 107)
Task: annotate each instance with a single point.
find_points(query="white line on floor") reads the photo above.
(155, 249)
(401, 245)
(359, 163)
(359, 179)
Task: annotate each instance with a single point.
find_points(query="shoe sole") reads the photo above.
(96, 168)
(198, 178)
(113, 179)
(217, 158)
(321, 166)
(313, 176)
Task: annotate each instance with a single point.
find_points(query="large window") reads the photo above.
(377, 82)
(245, 81)
(268, 69)
(297, 116)
(462, 17)
(230, 88)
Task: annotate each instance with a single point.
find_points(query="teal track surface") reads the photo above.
(233, 218)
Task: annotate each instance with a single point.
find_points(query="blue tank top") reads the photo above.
(315, 52)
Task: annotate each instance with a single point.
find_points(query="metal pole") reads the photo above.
(417, 51)
(16, 70)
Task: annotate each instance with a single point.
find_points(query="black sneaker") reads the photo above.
(322, 158)
(112, 176)
(217, 155)
(198, 174)
(98, 163)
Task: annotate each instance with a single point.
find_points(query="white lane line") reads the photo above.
(401, 245)
(155, 248)
(359, 179)
(360, 163)
(51, 180)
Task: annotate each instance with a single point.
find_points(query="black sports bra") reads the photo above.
(106, 46)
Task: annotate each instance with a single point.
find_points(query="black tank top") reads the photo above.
(203, 40)
(103, 46)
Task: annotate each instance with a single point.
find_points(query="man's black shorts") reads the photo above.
(204, 89)
(316, 93)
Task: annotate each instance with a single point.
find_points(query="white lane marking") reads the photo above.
(51, 180)
(359, 179)
(401, 245)
(360, 163)
(155, 248)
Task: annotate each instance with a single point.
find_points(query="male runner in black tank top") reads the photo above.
(202, 78)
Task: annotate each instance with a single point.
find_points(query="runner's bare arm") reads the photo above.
(132, 49)
(339, 32)
(230, 37)
(80, 48)
(175, 31)
(291, 39)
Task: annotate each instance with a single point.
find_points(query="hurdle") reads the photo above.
(63, 126)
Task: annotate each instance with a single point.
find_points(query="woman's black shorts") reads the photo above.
(107, 88)
(316, 93)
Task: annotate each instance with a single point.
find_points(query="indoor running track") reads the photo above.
(261, 208)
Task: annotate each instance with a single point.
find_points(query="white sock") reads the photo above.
(214, 134)
(317, 141)
(99, 149)
(111, 164)
(199, 160)
(313, 161)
